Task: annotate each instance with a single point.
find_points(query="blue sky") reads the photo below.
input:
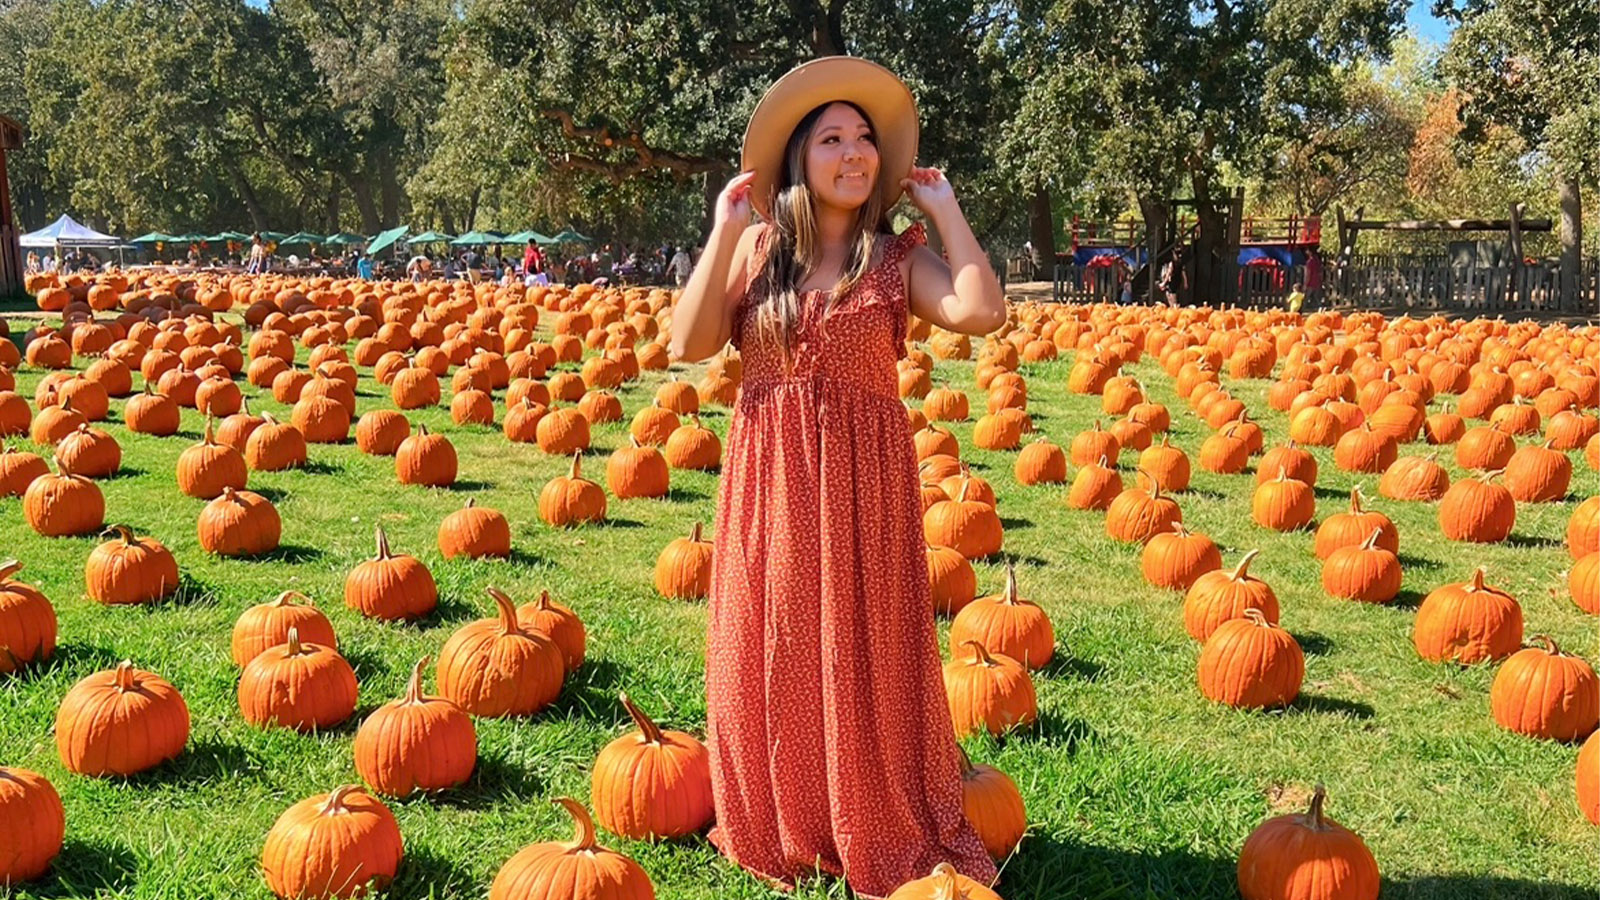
(1423, 24)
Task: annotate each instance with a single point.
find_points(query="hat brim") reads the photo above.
(879, 92)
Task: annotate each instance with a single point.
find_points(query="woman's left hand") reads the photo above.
(929, 190)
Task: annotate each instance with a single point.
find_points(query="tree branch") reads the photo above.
(645, 157)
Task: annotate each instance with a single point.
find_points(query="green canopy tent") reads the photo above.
(570, 237)
(522, 237)
(272, 237)
(192, 237)
(345, 239)
(477, 239)
(301, 238)
(384, 240)
(225, 236)
(154, 237)
(430, 237)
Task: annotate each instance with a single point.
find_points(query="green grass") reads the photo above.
(1135, 785)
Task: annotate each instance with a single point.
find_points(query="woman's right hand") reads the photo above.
(733, 204)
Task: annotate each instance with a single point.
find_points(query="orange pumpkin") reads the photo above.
(1250, 662)
(1543, 692)
(1306, 857)
(1468, 623)
(570, 870)
(987, 691)
(1005, 623)
(341, 844)
(120, 722)
(652, 783)
(416, 743)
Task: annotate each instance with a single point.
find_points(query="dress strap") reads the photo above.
(902, 244)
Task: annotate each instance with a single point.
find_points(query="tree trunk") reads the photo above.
(1155, 212)
(446, 219)
(1571, 240)
(362, 192)
(247, 193)
(472, 209)
(1210, 237)
(1042, 233)
(388, 189)
(331, 211)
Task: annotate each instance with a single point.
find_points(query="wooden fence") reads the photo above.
(1434, 282)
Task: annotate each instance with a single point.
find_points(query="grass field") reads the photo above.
(1136, 786)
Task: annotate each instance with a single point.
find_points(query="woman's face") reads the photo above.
(842, 158)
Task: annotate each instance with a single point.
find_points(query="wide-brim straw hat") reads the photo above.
(879, 92)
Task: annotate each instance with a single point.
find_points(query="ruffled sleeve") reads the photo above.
(899, 247)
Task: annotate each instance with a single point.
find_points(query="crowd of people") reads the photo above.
(609, 263)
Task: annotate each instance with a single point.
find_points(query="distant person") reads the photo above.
(680, 267)
(258, 255)
(472, 263)
(32, 265)
(418, 267)
(1126, 297)
(363, 266)
(1173, 277)
(1296, 298)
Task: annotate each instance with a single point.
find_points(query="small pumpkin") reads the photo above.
(651, 783)
(1138, 514)
(27, 622)
(266, 625)
(381, 432)
(120, 722)
(1477, 510)
(1005, 623)
(1366, 572)
(64, 504)
(1418, 478)
(1167, 465)
(988, 691)
(239, 523)
(391, 586)
(969, 526)
(1293, 460)
(558, 623)
(1468, 622)
(637, 470)
(945, 883)
(1537, 474)
(1545, 693)
(1250, 662)
(572, 499)
(474, 531)
(497, 667)
(1283, 504)
(340, 844)
(1096, 486)
(129, 569)
(578, 869)
(1586, 779)
(951, 581)
(1219, 596)
(1583, 583)
(1350, 528)
(207, 467)
(416, 743)
(993, 805)
(1306, 856)
(683, 570)
(297, 685)
(33, 824)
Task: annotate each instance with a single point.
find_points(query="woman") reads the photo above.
(831, 743)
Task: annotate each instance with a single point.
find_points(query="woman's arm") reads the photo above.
(703, 319)
(963, 295)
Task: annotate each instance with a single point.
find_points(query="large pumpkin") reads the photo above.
(391, 586)
(32, 825)
(1477, 510)
(1283, 504)
(1138, 514)
(1366, 572)
(426, 459)
(497, 667)
(993, 805)
(64, 504)
(1174, 559)
(266, 625)
(1349, 529)
(578, 869)
(120, 721)
(342, 844)
(571, 499)
(416, 743)
(1542, 692)
(1306, 857)
(651, 783)
(207, 467)
(969, 526)
(239, 523)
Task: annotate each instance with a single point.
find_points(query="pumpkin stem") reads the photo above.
(1549, 643)
(647, 726)
(694, 534)
(948, 888)
(1476, 583)
(980, 653)
(9, 568)
(209, 439)
(508, 611)
(383, 542)
(1314, 814)
(293, 640)
(1242, 570)
(962, 496)
(422, 429)
(584, 838)
(414, 685)
(1010, 597)
(121, 531)
(1372, 539)
(244, 405)
(1155, 484)
(124, 676)
(335, 803)
(1255, 617)
(285, 598)
(1355, 500)
(966, 761)
(577, 457)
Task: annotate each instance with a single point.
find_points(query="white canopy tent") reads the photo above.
(68, 232)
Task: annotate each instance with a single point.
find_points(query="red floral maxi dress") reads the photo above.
(830, 735)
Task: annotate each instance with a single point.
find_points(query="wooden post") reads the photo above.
(1514, 292)
(1230, 253)
(11, 136)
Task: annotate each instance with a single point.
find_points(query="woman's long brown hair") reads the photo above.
(793, 252)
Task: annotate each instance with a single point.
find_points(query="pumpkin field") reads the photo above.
(1193, 570)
